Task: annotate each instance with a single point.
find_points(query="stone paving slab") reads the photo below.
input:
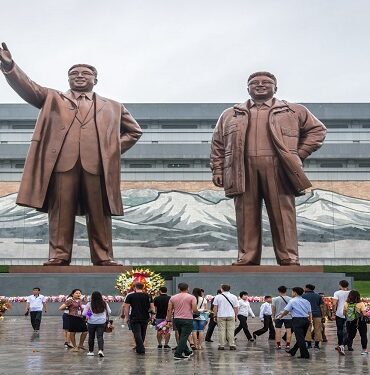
(23, 353)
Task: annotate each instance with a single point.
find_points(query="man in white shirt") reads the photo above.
(340, 297)
(36, 302)
(266, 318)
(225, 308)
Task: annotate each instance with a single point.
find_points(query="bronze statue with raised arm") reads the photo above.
(73, 166)
(256, 155)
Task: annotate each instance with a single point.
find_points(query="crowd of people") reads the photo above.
(303, 315)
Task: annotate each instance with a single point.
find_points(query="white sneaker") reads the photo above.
(100, 353)
(90, 354)
(364, 352)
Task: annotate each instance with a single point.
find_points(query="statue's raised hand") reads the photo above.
(5, 57)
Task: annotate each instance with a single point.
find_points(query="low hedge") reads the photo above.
(357, 272)
(4, 269)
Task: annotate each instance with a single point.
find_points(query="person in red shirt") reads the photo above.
(182, 306)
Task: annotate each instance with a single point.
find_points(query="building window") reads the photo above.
(179, 126)
(338, 126)
(332, 164)
(140, 165)
(178, 165)
(19, 165)
(24, 126)
(364, 165)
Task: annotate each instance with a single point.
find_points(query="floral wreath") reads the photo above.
(4, 305)
(152, 281)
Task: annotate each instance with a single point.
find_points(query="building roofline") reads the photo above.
(197, 111)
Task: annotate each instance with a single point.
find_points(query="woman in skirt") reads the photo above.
(76, 321)
(67, 340)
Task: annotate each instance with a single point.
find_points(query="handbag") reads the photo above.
(365, 319)
(109, 326)
(197, 315)
(204, 315)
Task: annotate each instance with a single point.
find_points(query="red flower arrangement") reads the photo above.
(152, 281)
(4, 306)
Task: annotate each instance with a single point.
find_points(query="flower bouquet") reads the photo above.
(152, 281)
(4, 306)
(163, 327)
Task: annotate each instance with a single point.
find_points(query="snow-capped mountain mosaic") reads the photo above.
(156, 219)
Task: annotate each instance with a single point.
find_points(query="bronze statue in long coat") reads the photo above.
(73, 165)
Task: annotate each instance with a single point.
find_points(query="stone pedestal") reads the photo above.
(256, 280)
(262, 280)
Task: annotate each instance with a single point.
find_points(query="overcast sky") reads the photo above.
(194, 50)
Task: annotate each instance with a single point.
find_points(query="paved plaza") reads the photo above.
(21, 352)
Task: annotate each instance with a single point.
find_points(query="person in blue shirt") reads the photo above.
(300, 309)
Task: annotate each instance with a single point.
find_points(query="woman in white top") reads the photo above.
(245, 310)
(199, 322)
(97, 312)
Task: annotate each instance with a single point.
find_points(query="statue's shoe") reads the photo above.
(56, 262)
(289, 262)
(242, 262)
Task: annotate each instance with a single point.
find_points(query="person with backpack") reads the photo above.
(356, 314)
(277, 306)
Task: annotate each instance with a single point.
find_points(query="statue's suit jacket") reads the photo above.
(117, 131)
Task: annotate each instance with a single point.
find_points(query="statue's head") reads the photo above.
(262, 86)
(82, 77)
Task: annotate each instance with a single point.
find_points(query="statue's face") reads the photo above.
(261, 88)
(82, 79)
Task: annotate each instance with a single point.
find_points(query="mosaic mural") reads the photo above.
(203, 221)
